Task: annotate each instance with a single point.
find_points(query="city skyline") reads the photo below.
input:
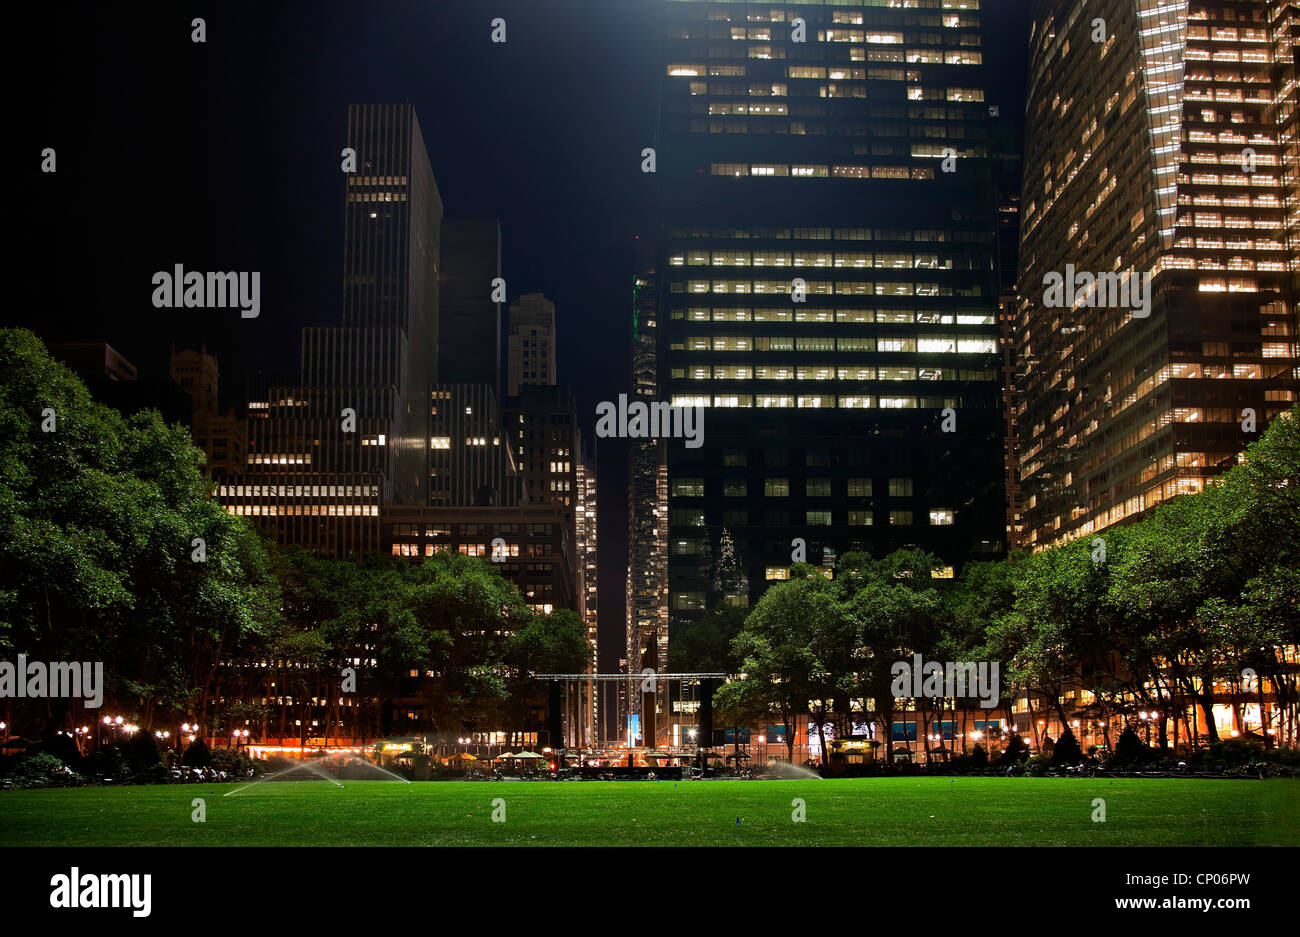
(922, 332)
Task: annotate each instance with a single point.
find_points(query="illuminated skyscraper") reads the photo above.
(828, 290)
(1175, 158)
(353, 435)
(647, 577)
(587, 562)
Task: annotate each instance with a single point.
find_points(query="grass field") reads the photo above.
(860, 812)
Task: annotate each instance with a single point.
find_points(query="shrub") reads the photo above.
(63, 748)
(235, 764)
(141, 752)
(1236, 751)
(1284, 756)
(152, 774)
(1129, 749)
(1037, 765)
(1015, 752)
(1067, 752)
(37, 768)
(197, 755)
(979, 757)
(105, 764)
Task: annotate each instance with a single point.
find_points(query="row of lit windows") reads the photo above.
(812, 402)
(780, 487)
(891, 260)
(812, 314)
(280, 459)
(1206, 219)
(313, 510)
(856, 53)
(444, 442)
(928, 344)
(838, 234)
(1229, 95)
(1235, 138)
(298, 491)
(1226, 199)
(413, 530)
(841, 128)
(376, 180)
(376, 196)
(682, 517)
(1227, 34)
(824, 288)
(820, 171)
(783, 372)
(1228, 55)
(1173, 262)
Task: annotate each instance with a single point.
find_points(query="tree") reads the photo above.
(1067, 752)
(705, 644)
(555, 643)
(1015, 752)
(111, 548)
(1129, 749)
(798, 643)
(197, 755)
(895, 612)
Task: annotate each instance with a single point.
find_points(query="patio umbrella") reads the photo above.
(503, 756)
(530, 756)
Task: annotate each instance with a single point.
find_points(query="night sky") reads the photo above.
(225, 156)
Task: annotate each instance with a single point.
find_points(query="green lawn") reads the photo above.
(875, 811)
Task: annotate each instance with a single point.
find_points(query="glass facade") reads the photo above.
(1175, 161)
(828, 290)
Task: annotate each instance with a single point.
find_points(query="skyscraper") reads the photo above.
(828, 290)
(469, 322)
(1176, 161)
(587, 534)
(647, 527)
(354, 433)
(531, 353)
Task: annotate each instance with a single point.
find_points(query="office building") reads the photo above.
(828, 291)
(223, 436)
(352, 435)
(531, 346)
(469, 322)
(1171, 170)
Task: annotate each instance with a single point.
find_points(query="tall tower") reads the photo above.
(469, 322)
(828, 290)
(647, 577)
(1176, 161)
(587, 532)
(353, 434)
